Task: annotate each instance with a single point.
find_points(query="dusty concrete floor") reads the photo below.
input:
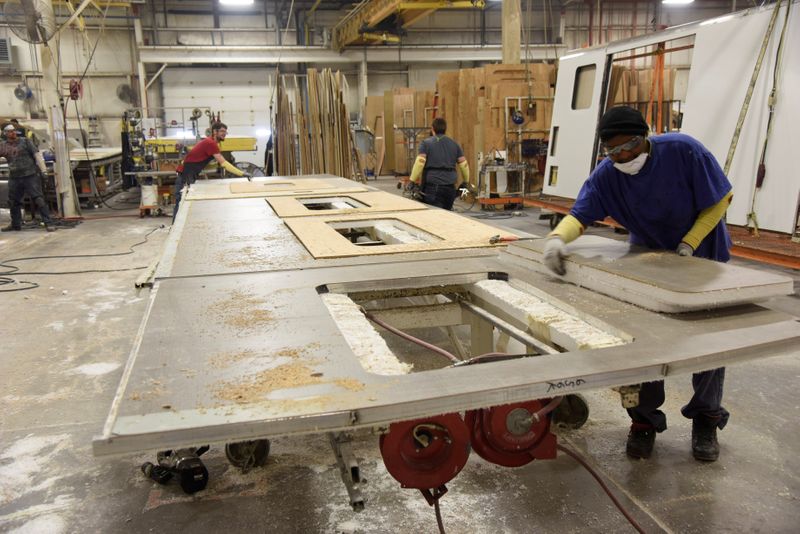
(65, 343)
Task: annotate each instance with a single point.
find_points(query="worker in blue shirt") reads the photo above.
(670, 193)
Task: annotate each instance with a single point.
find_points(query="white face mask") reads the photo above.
(633, 166)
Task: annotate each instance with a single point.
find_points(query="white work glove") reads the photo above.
(554, 254)
(684, 249)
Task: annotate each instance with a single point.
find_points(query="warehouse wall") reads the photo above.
(112, 64)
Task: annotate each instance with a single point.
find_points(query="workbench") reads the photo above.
(245, 338)
(97, 172)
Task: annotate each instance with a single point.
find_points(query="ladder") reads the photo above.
(94, 138)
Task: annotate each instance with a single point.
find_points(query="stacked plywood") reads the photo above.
(473, 101)
(314, 132)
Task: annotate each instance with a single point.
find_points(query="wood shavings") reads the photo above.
(289, 375)
(350, 383)
(226, 359)
(241, 310)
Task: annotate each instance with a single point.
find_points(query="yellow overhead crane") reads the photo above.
(369, 21)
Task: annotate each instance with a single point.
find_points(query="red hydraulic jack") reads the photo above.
(425, 454)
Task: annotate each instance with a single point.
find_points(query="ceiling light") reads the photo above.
(236, 2)
(677, 2)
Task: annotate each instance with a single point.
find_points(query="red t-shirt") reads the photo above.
(203, 152)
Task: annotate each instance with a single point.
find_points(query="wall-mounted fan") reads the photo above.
(30, 20)
(126, 93)
(23, 92)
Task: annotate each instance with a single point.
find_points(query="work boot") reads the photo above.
(49, 228)
(10, 228)
(641, 439)
(705, 446)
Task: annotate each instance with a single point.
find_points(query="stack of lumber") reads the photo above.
(313, 128)
(473, 102)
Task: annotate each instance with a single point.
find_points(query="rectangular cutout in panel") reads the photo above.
(554, 141)
(382, 232)
(553, 178)
(583, 89)
(331, 203)
(461, 315)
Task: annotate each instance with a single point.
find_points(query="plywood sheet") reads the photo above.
(660, 281)
(375, 202)
(449, 231)
(283, 186)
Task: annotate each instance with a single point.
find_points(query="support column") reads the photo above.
(511, 29)
(142, 73)
(67, 196)
(362, 87)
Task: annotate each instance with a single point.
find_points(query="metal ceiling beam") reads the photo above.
(318, 54)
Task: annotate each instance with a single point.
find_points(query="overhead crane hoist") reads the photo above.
(385, 21)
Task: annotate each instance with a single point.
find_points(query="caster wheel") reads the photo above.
(247, 454)
(572, 413)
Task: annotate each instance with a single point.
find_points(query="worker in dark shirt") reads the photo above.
(201, 155)
(26, 166)
(435, 167)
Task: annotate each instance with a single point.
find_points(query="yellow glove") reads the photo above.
(569, 229)
(419, 166)
(463, 168)
(706, 221)
(231, 169)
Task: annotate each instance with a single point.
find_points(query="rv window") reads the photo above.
(584, 84)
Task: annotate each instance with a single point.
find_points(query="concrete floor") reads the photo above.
(65, 343)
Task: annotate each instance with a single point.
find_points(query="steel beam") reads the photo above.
(318, 54)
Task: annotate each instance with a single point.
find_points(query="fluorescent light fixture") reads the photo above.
(236, 2)
(263, 132)
(570, 56)
(677, 2)
(716, 20)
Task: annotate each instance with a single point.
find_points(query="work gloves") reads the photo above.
(554, 254)
(684, 249)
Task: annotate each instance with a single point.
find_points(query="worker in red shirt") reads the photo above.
(196, 160)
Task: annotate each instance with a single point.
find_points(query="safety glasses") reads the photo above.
(629, 145)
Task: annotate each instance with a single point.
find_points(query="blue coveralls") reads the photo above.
(658, 206)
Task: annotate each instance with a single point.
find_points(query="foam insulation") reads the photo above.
(545, 320)
(366, 343)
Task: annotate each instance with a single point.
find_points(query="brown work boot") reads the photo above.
(10, 228)
(705, 446)
(641, 439)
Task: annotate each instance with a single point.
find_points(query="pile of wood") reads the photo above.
(312, 126)
(651, 91)
(473, 102)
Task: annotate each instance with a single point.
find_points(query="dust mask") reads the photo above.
(633, 166)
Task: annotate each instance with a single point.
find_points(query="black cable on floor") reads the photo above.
(5, 278)
(439, 521)
(611, 496)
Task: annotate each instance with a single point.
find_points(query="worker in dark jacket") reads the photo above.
(201, 155)
(434, 170)
(26, 167)
(670, 193)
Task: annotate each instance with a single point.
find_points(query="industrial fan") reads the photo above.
(23, 92)
(126, 93)
(30, 20)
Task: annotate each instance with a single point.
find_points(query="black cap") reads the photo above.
(621, 120)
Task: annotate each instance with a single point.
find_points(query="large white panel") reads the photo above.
(574, 142)
(725, 55)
